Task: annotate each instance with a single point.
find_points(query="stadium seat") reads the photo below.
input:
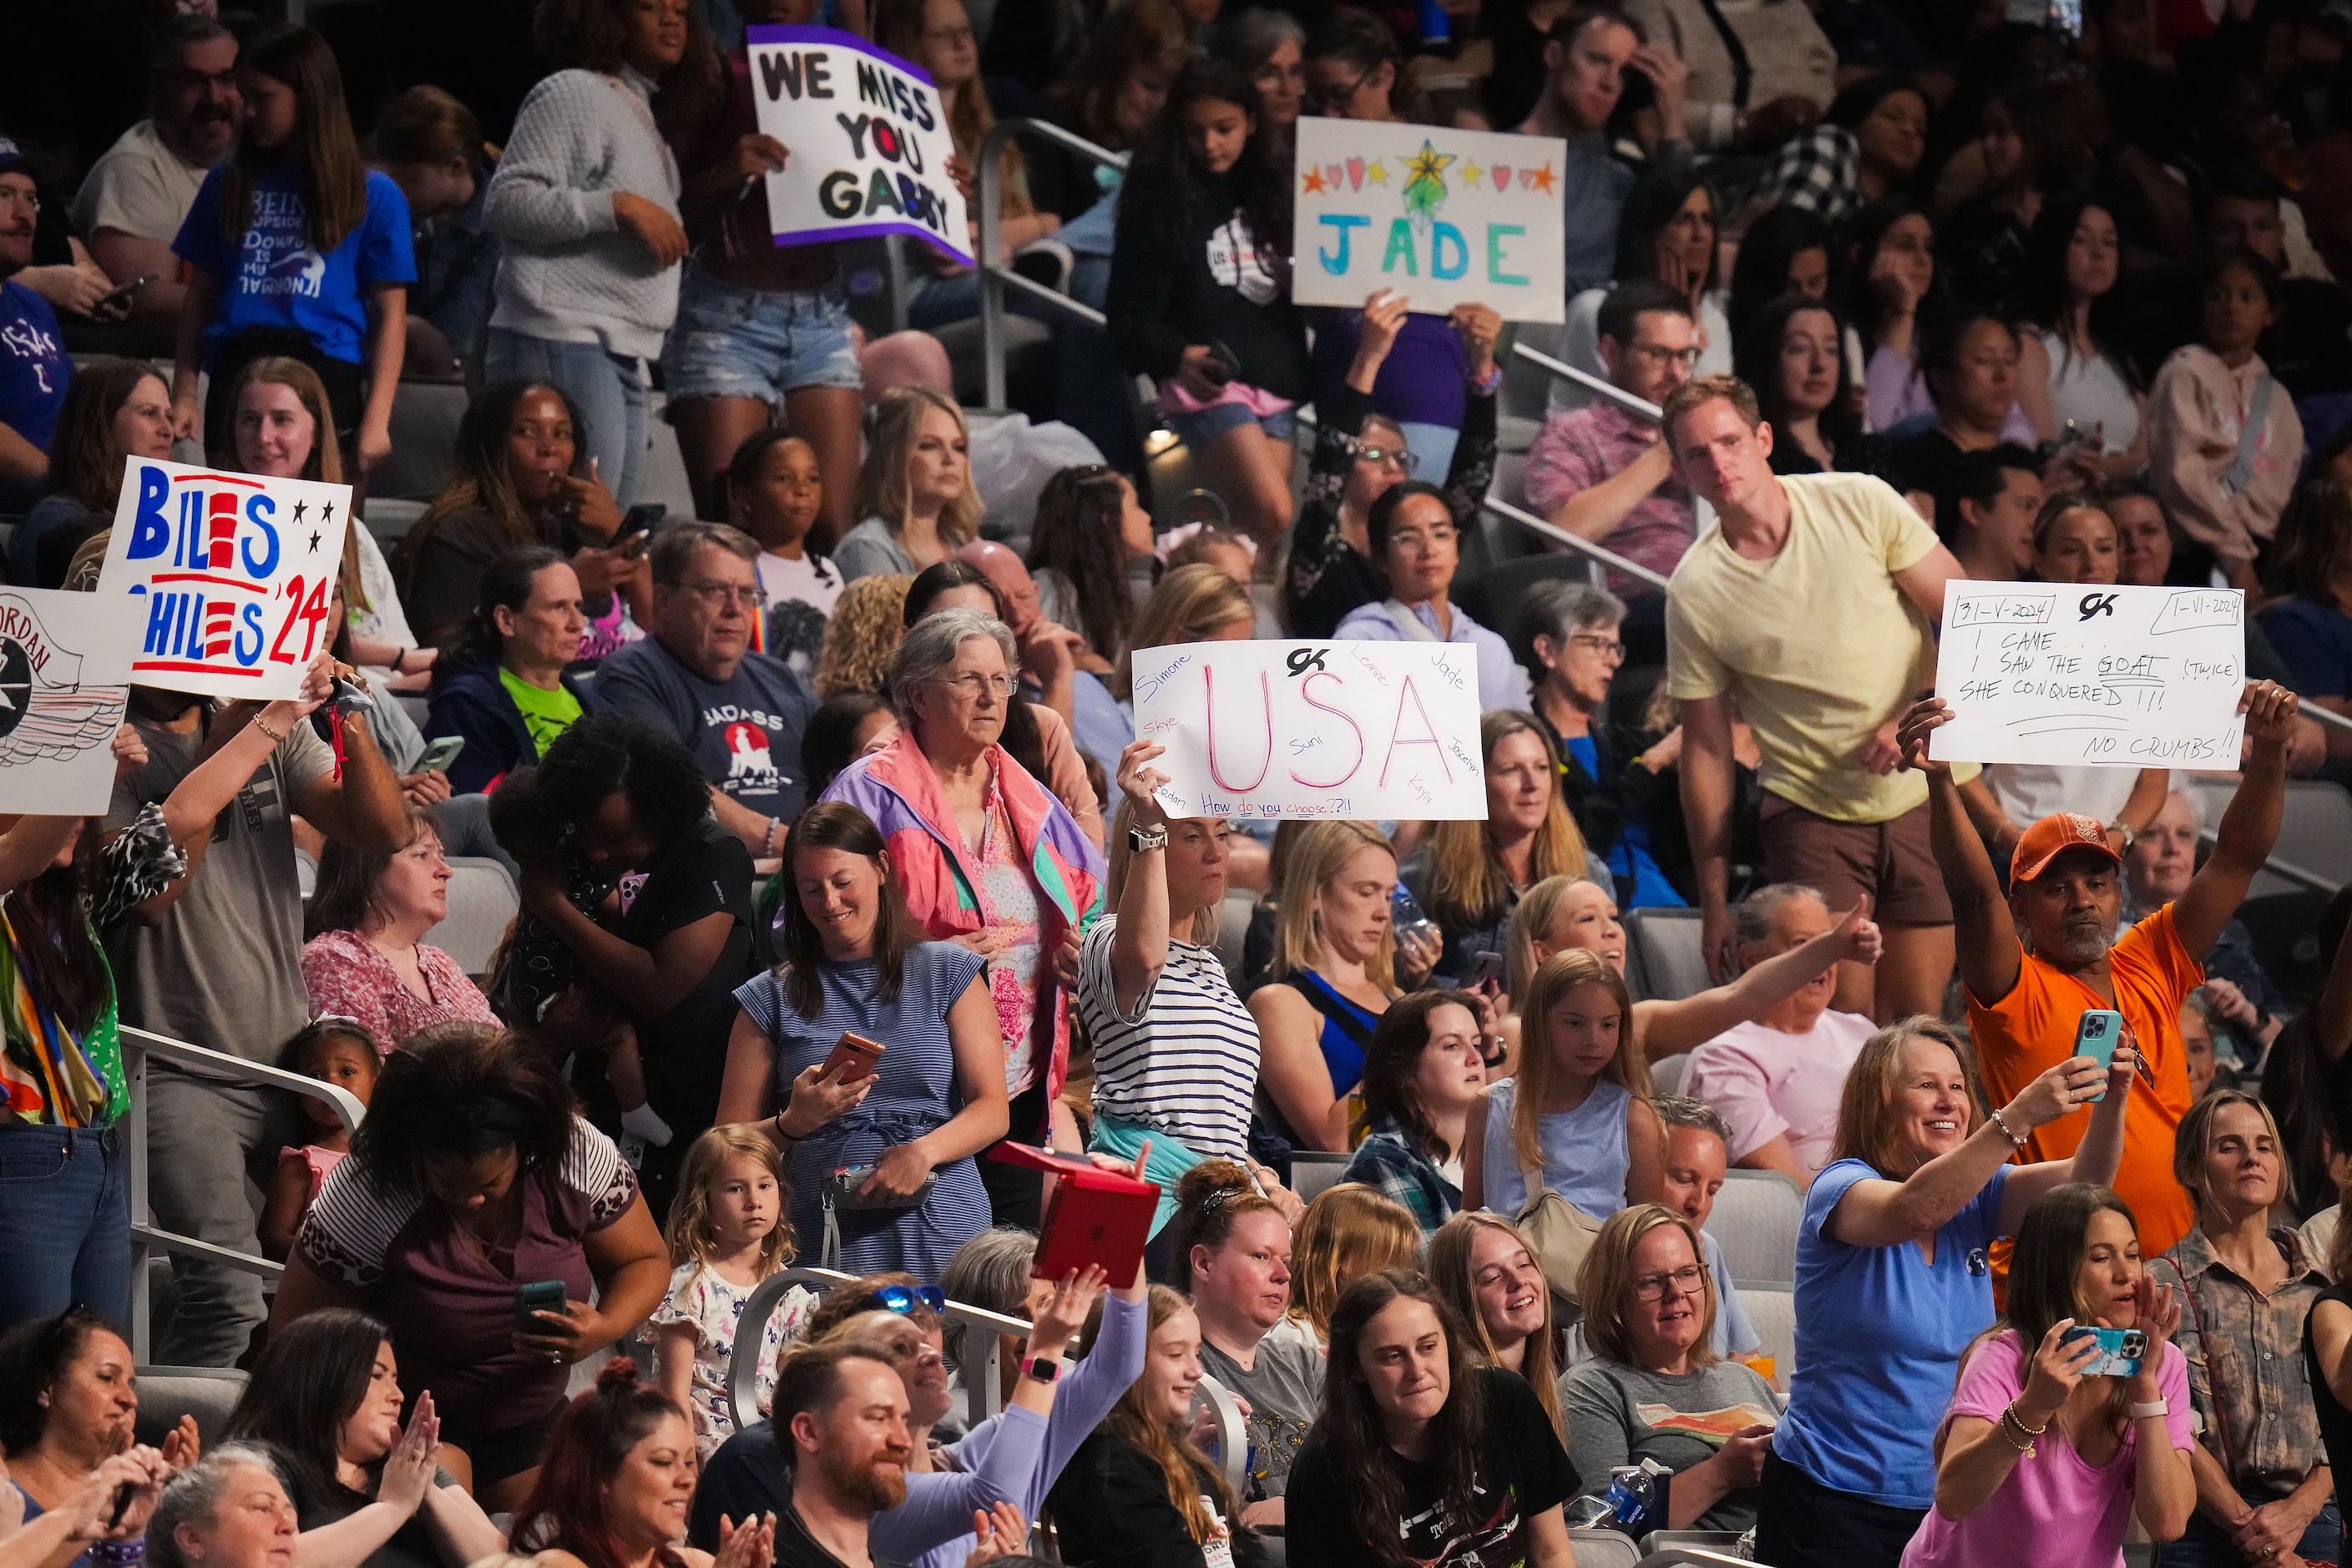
(425, 416)
(1603, 1549)
(1667, 1077)
(1773, 1310)
(1675, 1546)
(661, 472)
(390, 517)
(1311, 1171)
(1663, 960)
(167, 1394)
(483, 899)
(2314, 832)
(1755, 1220)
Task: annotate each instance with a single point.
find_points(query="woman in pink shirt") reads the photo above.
(366, 958)
(2041, 1461)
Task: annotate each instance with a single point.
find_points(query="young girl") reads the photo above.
(1200, 289)
(335, 1051)
(775, 493)
(1091, 555)
(296, 248)
(1349, 1231)
(727, 1234)
(2226, 434)
(1578, 1115)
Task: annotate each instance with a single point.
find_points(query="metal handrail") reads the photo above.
(1598, 386)
(992, 274)
(147, 1238)
(1529, 520)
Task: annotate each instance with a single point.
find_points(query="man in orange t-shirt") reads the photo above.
(2034, 962)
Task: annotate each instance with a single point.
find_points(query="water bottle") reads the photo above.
(1436, 26)
(1634, 1504)
(1405, 915)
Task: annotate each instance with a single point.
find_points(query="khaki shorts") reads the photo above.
(1892, 861)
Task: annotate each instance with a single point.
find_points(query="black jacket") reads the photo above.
(1169, 291)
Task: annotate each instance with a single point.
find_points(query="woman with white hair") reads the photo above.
(229, 1510)
(985, 856)
(2157, 864)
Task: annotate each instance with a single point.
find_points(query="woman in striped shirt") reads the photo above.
(1176, 1053)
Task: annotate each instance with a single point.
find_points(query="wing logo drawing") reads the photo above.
(46, 713)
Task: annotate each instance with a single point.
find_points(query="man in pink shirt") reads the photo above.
(1601, 472)
(1777, 1081)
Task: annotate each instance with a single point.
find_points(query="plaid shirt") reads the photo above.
(1818, 169)
(2246, 1370)
(1391, 1160)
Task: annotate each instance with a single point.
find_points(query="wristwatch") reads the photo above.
(2125, 831)
(2154, 1408)
(1140, 839)
(1042, 1369)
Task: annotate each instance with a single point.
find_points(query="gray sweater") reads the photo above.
(570, 272)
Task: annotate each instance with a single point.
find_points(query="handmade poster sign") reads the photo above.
(1371, 729)
(2065, 675)
(230, 578)
(1444, 217)
(869, 137)
(64, 665)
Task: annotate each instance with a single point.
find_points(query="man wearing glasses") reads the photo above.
(135, 197)
(739, 712)
(1602, 471)
(34, 370)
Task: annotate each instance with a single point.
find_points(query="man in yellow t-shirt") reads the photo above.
(2035, 962)
(1808, 607)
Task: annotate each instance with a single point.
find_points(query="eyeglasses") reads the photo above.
(904, 1299)
(1686, 358)
(718, 595)
(948, 37)
(970, 685)
(1688, 1281)
(1324, 97)
(1377, 455)
(1607, 647)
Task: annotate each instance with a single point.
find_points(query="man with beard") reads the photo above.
(34, 369)
(845, 1409)
(135, 197)
(2035, 963)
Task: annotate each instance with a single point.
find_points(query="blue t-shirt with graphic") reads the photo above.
(34, 369)
(274, 277)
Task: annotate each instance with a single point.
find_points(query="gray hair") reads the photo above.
(1752, 922)
(930, 647)
(1558, 608)
(1250, 39)
(674, 545)
(183, 33)
(991, 1270)
(193, 1497)
(2189, 797)
(1681, 1111)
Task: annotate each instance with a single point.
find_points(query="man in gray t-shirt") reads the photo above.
(1285, 1389)
(216, 960)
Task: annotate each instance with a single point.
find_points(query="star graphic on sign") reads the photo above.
(1543, 179)
(299, 507)
(1313, 181)
(314, 541)
(326, 513)
(1472, 173)
(1377, 173)
(1429, 164)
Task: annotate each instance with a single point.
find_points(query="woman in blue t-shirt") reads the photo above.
(298, 249)
(1895, 1281)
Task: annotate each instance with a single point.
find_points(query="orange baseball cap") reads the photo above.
(2054, 835)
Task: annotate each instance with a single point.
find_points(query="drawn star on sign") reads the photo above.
(326, 513)
(1543, 179)
(1377, 173)
(299, 507)
(1313, 181)
(1472, 173)
(314, 541)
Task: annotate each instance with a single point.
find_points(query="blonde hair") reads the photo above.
(1200, 931)
(1322, 849)
(882, 488)
(862, 635)
(1608, 1270)
(2192, 1146)
(1186, 605)
(1561, 973)
(1449, 1270)
(1469, 886)
(1531, 921)
(692, 1233)
(1349, 1231)
(1168, 1448)
(1864, 1130)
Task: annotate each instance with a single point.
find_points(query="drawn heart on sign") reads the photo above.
(1502, 177)
(1526, 179)
(1356, 173)
(1333, 173)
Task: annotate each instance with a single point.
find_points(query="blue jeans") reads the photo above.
(607, 388)
(2206, 1545)
(65, 1222)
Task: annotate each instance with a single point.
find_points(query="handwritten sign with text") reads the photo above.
(1444, 217)
(869, 138)
(231, 577)
(1370, 730)
(2062, 674)
(64, 662)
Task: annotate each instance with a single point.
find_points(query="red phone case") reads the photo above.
(1095, 1216)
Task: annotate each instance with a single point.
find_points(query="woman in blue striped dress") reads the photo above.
(854, 962)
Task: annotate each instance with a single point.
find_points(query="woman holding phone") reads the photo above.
(855, 974)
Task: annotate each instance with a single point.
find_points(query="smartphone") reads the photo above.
(1484, 965)
(2121, 1350)
(853, 1057)
(538, 1296)
(2098, 1036)
(123, 1496)
(637, 525)
(438, 754)
(1223, 364)
(112, 295)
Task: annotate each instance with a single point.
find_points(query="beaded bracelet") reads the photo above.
(2002, 1122)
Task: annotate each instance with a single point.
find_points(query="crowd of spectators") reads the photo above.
(1861, 298)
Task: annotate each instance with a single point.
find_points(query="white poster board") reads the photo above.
(64, 662)
(1375, 731)
(1444, 217)
(2066, 675)
(869, 138)
(230, 579)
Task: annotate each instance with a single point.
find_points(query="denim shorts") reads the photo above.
(732, 342)
(1196, 431)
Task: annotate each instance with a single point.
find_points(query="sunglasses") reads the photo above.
(904, 1299)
